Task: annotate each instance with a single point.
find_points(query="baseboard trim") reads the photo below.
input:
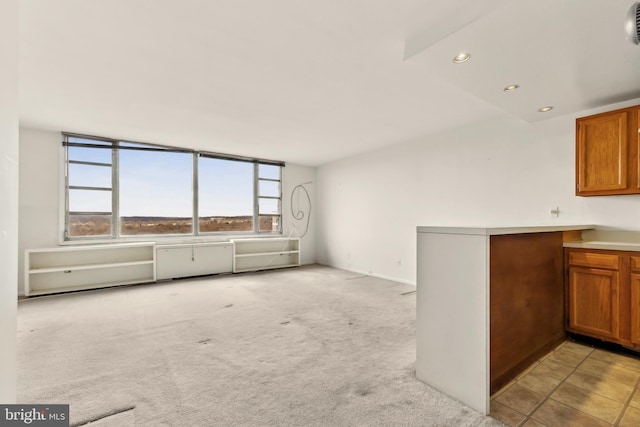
(379, 276)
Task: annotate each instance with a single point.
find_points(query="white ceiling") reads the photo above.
(310, 82)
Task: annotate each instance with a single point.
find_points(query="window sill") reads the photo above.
(170, 239)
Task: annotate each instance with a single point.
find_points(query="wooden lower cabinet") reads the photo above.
(594, 302)
(635, 308)
(602, 295)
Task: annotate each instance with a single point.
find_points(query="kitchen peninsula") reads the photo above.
(490, 301)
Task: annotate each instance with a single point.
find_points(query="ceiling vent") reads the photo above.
(633, 24)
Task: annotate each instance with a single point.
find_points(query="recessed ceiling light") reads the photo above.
(545, 109)
(463, 57)
(511, 88)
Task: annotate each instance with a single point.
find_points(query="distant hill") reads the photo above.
(100, 225)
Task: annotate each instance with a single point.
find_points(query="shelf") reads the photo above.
(81, 267)
(266, 254)
(88, 247)
(87, 287)
(86, 267)
(88, 255)
(245, 270)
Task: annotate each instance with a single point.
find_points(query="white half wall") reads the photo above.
(9, 192)
(40, 198)
(502, 172)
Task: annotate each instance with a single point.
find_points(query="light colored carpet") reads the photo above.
(312, 346)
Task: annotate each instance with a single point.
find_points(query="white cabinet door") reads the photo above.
(193, 260)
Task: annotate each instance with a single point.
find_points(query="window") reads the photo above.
(89, 184)
(155, 191)
(119, 189)
(226, 195)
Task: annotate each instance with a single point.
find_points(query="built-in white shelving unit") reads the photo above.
(197, 259)
(73, 268)
(80, 267)
(264, 254)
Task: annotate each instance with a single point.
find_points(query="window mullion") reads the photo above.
(256, 203)
(67, 221)
(280, 225)
(196, 197)
(84, 187)
(76, 162)
(115, 193)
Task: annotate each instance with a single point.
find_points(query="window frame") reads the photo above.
(259, 196)
(67, 186)
(115, 146)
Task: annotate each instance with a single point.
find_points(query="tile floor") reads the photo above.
(574, 385)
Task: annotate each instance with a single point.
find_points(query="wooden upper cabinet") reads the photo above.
(607, 156)
(635, 144)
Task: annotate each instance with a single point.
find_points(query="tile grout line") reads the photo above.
(627, 402)
(548, 394)
(537, 363)
(527, 417)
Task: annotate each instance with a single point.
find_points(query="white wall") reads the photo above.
(40, 186)
(501, 172)
(293, 176)
(9, 194)
(39, 192)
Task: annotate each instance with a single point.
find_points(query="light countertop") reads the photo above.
(608, 239)
(613, 246)
(495, 231)
(617, 240)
